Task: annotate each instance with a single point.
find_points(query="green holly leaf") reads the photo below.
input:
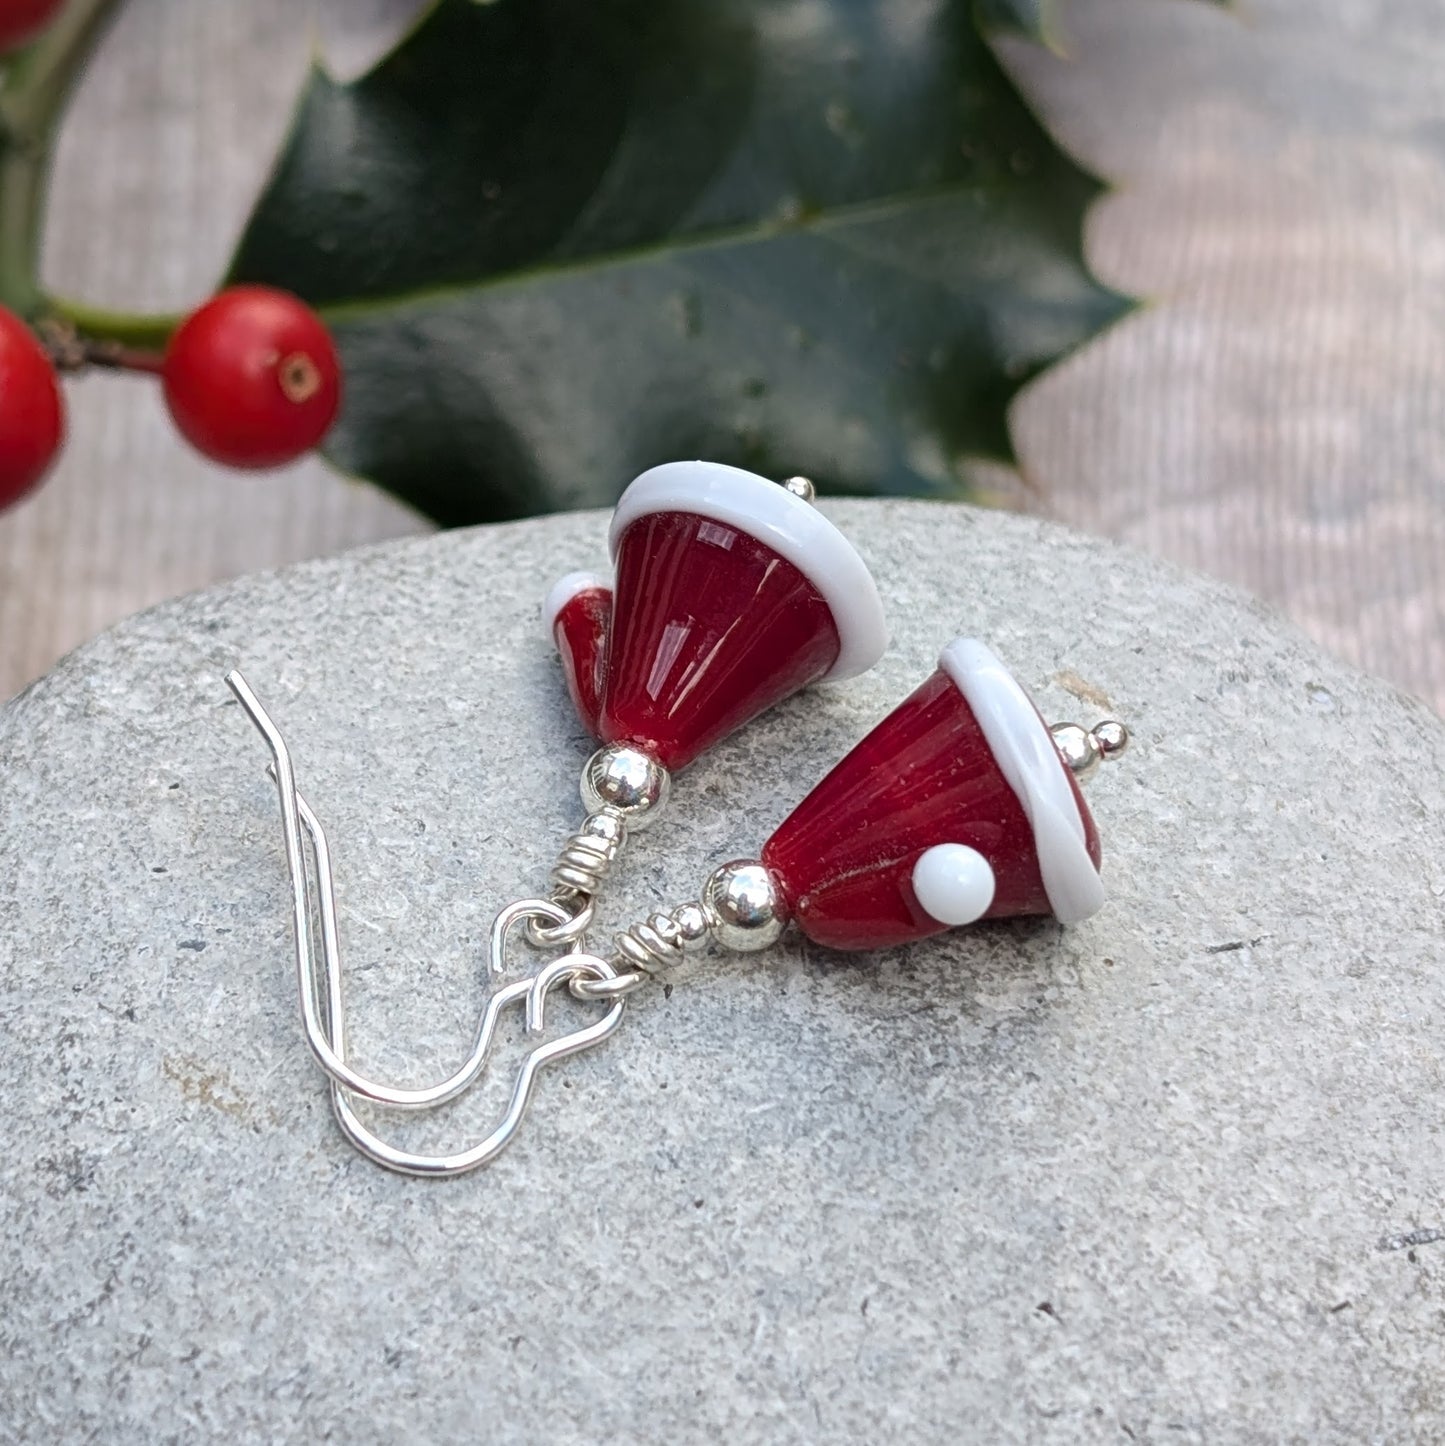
(558, 243)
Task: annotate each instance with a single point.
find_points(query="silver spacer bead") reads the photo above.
(1084, 749)
(744, 906)
(800, 487)
(1077, 748)
(1112, 738)
(693, 929)
(607, 826)
(625, 781)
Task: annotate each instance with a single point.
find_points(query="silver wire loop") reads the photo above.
(662, 940)
(578, 875)
(616, 987)
(575, 919)
(324, 1018)
(586, 857)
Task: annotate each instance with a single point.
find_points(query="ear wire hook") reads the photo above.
(531, 992)
(327, 1038)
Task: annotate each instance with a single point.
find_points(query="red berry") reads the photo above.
(22, 20)
(32, 414)
(252, 378)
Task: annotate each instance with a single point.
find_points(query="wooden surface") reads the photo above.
(1275, 415)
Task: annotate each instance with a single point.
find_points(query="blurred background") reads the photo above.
(1274, 414)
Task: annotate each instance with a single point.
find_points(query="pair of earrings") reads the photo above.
(731, 593)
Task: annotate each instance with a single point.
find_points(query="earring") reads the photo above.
(961, 805)
(732, 593)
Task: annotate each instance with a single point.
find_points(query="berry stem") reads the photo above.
(122, 358)
(122, 328)
(37, 83)
(70, 351)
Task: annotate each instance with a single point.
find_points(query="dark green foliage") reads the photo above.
(559, 242)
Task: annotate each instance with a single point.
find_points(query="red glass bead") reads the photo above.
(731, 594)
(709, 629)
(580, 607)
(929, 776)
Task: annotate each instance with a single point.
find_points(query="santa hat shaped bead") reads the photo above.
(958, 806)
(577, 611)
(732, 592)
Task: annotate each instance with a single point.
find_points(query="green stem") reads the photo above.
(36, 86)
(128, 329)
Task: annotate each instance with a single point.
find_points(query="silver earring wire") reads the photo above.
(325, 1020)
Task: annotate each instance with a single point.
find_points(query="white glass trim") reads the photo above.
(1030, 761)
(793, 528)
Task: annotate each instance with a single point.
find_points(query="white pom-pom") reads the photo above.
(954, 883)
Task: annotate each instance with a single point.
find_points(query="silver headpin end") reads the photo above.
(1084, 749)
(800, 487)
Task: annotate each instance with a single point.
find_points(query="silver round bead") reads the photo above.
(693, 928)
(1112, 738)
(744, 906)
(1077, 748)
(626, 781)
(800, 487)
(607, 826)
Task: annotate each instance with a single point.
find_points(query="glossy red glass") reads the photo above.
(709, 628)
(580, 632)
(925, 775)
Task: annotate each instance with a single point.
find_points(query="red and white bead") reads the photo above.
(956, 807)
(731, 593)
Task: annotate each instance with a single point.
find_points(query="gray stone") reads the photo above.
(1175, 1175)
